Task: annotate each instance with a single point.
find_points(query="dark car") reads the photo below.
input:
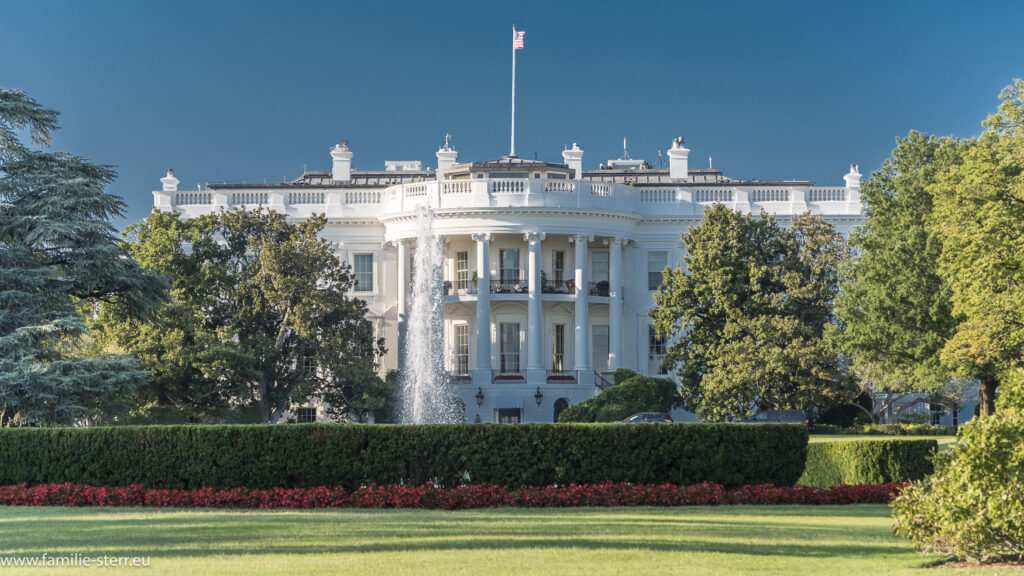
(648, 417)
(778, 417)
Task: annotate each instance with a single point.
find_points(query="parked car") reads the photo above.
(648, 417)
(778, 417)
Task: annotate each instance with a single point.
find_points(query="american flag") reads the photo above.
(517, 43)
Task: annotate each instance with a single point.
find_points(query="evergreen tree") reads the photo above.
(749, 313)
(58, 255)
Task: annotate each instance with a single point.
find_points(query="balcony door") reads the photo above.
(600, 338)
(508, 273)
(510, 347)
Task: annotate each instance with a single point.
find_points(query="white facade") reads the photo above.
(550, 268)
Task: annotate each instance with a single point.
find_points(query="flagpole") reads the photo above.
(512, 151)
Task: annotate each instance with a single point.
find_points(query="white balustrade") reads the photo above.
(600, 189)
(242, 198)
(770, 195)
(456, 187)
(363, 196)
(657, 195)
(508, 186)
(835, 194)
(567, 186)
(305, 197)
(192, 198)
(414, 190)
(712, 195)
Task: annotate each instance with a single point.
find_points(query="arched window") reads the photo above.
(560, 404)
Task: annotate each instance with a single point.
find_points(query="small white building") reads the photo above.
(550, 268)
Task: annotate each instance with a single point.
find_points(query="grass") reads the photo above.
(840, 540)
(945, 442)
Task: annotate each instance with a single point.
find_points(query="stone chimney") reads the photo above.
(341, 170)
(446, 157)
(574, 158)
(678, 160)
(170, 182)
(853, 178)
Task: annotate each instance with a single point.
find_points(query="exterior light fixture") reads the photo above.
(539, 396)
(480, 396)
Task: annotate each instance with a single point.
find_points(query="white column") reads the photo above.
(482, 372)
(535, 374)
(615, 305)
(582, 316)
(403, 287)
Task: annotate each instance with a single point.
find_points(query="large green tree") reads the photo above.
(260, 315)
(58, 255)
(749, 313)
(894, 303)
(979, 215)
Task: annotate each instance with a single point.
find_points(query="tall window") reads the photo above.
(558, 347)
(462, 348)
(600, 333)
(462, 270)
(656, 264)
(599, 269)
(655, 351)
(363, 272)
(558, 268)
(509, 272)
(510, 347)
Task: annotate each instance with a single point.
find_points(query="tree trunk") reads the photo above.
(987, 394)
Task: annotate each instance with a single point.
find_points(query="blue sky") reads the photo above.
(772, 90)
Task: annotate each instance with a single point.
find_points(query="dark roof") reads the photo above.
(508, 164)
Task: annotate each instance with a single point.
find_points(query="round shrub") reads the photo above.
(972, 508)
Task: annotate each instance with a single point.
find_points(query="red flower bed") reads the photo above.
(434, 498)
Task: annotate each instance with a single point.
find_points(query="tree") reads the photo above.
(979, 215)
(894, 304)
(59, 255)
(260, 313)
(749, 313)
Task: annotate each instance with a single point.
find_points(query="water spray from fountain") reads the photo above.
(426, 393)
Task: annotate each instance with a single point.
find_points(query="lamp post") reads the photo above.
(538, 396)
(479, 397)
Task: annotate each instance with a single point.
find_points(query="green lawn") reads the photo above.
(841, 540)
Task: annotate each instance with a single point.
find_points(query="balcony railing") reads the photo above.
(598, 288)
(507, 376)
(568, 376)
(509, 286)
(558, 287)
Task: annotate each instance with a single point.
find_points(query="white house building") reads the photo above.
(550, 268)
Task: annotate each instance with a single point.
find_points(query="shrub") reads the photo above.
(304, 455)
(622, 374)
(905, 429)
(972, 508)
(868, 461)
(434, 498)
(635, 394)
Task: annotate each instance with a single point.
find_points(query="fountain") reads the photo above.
(426, 391)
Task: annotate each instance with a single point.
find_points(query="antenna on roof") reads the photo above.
(661, 159)
(625, 153)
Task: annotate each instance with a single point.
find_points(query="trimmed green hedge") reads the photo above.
(868, 461)
(303, 455)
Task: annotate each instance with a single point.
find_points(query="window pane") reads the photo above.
(599, 271)
(461, 270)
(558, 347)
(462, 348)
(510, 348)
(362, 268)
(656, 264)
(600, 333)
